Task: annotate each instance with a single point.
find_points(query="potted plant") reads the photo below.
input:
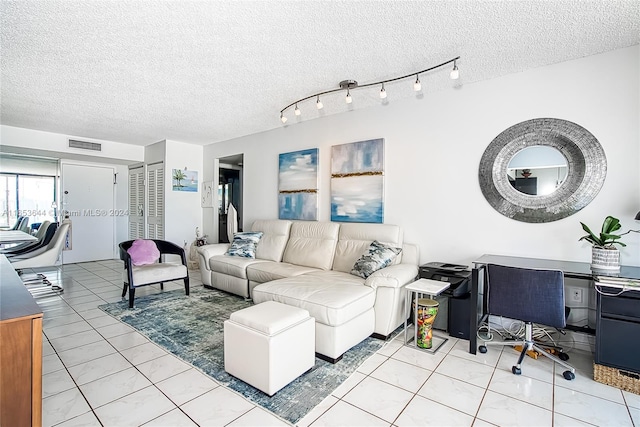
(604, 255)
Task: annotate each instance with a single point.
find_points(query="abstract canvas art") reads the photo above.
(357, 178)
(298, 185)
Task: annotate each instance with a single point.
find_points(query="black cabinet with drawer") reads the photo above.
(618, 329)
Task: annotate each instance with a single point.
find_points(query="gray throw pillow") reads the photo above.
(244, 244)
(377, 257)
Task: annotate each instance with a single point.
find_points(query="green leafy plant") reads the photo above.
(606, 239)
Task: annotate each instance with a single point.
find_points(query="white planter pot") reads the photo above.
(605, 259)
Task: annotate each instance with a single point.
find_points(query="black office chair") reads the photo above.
(532, 296)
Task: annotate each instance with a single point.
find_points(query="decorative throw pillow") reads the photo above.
(143, 252)
(244, 244)
(379, 256)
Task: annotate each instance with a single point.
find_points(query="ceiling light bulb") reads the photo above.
(417, 86)
(297, 110)
(348, 99)
(283, 119)
(455, 73)
(383, 93)
(319, 104)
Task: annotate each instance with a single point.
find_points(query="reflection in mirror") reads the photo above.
(537, 170)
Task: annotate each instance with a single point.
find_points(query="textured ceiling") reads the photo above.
(142, 71)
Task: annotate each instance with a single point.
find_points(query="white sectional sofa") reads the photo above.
(307, 264)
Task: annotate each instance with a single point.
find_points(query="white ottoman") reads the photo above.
(269, 345)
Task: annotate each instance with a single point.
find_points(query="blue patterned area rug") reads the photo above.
(191, 327)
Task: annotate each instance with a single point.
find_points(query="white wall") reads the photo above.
(433, 146)
(182, 209)
(35, 140)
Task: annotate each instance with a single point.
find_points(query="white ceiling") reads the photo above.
(206, 71)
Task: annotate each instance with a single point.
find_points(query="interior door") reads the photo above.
(87, 197)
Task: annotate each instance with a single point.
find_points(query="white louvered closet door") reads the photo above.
(136, 203)
(155, 201)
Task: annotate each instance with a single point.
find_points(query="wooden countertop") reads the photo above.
(15, 300)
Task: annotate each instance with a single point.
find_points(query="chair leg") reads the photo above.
(132, 293)
(186, 285)
(568, 374)
(162, 286)
(124, 289)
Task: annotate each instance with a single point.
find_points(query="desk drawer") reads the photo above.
(617, 344)
(621, 306)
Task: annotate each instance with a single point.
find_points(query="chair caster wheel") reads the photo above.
(516, 370)
(563, 356)
(482, 349)
(568, 375)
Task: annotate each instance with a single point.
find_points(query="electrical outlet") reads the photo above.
(576, 294)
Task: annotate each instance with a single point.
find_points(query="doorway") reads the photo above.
(229, 193)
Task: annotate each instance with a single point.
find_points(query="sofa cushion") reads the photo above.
(332, 298)
(159, 272)
(244, 244)
(267, 271)
(378, 257)
(232, 265)
(312, 244)
(354, 240)
(275, 234)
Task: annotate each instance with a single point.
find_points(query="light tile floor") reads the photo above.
(99, 371)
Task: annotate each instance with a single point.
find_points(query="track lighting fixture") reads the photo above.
(417, 86)
(352, 84)
(455, 73)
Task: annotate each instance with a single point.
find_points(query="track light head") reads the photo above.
(383, 93)
(348, 98)
(455, 73)
(319, 104)
(417, 86)
(283, 118)
(297, 111)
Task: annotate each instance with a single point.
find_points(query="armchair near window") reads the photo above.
(529, 295)
(157, 272)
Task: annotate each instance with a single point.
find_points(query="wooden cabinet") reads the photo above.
(20, 352)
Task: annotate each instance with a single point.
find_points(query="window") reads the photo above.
(27, 195)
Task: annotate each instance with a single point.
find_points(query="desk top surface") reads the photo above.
(570, 268)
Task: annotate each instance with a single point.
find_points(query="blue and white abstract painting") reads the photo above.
(357, 181)
(298, 185)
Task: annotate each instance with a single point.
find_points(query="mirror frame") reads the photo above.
(586, 170)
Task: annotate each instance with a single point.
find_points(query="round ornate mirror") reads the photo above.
(542, 170)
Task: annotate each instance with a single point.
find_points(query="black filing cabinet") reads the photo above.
(618, 329)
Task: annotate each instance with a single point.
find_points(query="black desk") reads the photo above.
(571, 269)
